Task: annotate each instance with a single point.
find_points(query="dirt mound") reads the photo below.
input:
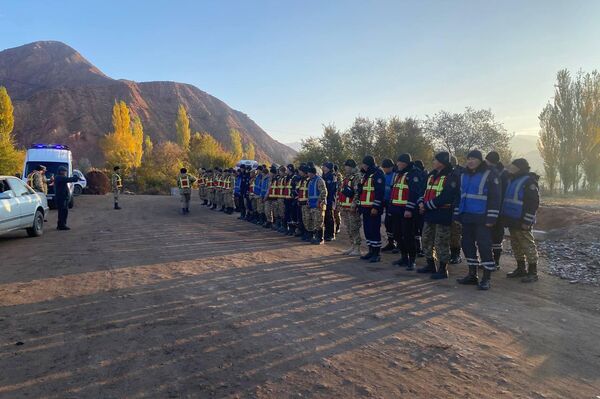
(556, 217)
(97, 183)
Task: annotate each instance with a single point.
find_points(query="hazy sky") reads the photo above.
(294, 65)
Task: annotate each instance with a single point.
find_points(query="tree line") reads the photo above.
(456, 133)
(569, 139)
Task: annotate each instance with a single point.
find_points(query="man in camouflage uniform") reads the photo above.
(117, 185)
(317, 201)
(202, 186)
(348, 203)
(280, 204)
(302, 200)
(228, 195)
(184, 183)
(39, 181)
(269, 198)
(520, 204)
(455, 227)
(337, 212)
(435, 205)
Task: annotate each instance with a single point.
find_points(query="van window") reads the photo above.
(51, 167)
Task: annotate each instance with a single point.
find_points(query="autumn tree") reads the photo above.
(207, 152)
(11, 159)
(458, 133)
(160, 168)
(182, 125)
(124, 145)
(549, 147)
(250, 151)
(589, 113)
(361, 138)
(236, 144)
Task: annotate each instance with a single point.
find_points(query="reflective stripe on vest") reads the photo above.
(435, 186)
(343, 201)
(252, 180)
(119, 181)
(473, 198)
(512, 206)
(367, 194)
(399, 195)
(184, 181)
(286, 191)
(303, 190)
(30, 179)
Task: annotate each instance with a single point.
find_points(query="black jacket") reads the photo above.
(61, 188)
(439, 210)
(378, 186)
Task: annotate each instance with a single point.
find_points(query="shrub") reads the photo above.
(98, 182)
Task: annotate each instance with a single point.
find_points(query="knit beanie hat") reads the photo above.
(406, 158)
(493, 157)
(387, 163)
(522, 164)
(443, 158)
(350, 162)
(475, 154)
(369, 160)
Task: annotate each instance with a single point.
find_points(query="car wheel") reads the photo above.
(77, 190)
(37, 228)
(71, 203)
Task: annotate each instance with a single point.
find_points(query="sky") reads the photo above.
(293, 66)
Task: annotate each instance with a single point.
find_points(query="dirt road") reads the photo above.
(145, 302)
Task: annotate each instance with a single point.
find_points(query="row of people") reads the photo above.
(475, 202)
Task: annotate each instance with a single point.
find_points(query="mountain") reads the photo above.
(60, 97)
(525, 146)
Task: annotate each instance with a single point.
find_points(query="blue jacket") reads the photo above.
(521, 201)
(313, 191)
(480, 196)
(264, 186)
(439, 210)
(378, 186)
(389, 180)
(331, 184)
(258, 184)
(237, 186)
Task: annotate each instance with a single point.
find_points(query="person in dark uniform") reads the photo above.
(455, 227)
(62, 196)
(420, 221)
(478, 210)
(406, 191)
(291, 203)
(519, 208)
(388, 171)
(336, 211)
(370, 193)
(331, 183)
(493, 161)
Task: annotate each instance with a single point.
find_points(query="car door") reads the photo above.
(27, 199)
(9, 208)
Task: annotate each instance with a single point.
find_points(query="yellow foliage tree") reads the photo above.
(182, 124)
(207, 152)
(236, 144)
(160, 168)
(11, 159)
(250, 151)
(124, 145)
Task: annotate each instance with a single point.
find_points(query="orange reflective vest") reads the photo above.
(303, 190)
(184, 181)
(252, 180)
(400, 190)
(343, 201)
(286, 191)
(367, 194)
(435, 186)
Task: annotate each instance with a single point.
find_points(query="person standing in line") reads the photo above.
(371, 191)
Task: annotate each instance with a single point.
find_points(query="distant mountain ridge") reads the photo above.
(60, 97)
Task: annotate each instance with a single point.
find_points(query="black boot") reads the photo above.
(430, 268)
(455, 257)
(307, 236)
(411, 264)
(318, 238)
(183, 211)
(484, 284)
(519, 271)
(368, 255)
(471, 278)
(497, 254)
(403, 261)
(532, 275)
(442, 272)
(375, 257)
(117, 206)
(389, 247)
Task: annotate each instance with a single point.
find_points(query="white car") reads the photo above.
(81, 184)
(21, 207)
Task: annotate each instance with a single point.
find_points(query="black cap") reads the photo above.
(387, 163)
(443, 158)
(475, 154)
(350, 162)
(116, 168)
(273, 169)
(419, 164)
(183, 170)
(328, 165)
(304, 168)
(522, 164)
(493, 157)
(406, 158)
(312, 169)
(369, 160)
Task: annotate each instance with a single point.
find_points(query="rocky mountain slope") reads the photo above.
(60, 97)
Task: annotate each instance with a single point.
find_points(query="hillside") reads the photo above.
(60, 97)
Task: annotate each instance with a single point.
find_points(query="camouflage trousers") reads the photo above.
(185, 199)
(228, 199)
(351, 219)
(280, 208)
(436, 241)
(255, 204)
(270, 209)
(523, 245)
(116, 195)
(314, 218)
(455, 235)
(202, 192)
